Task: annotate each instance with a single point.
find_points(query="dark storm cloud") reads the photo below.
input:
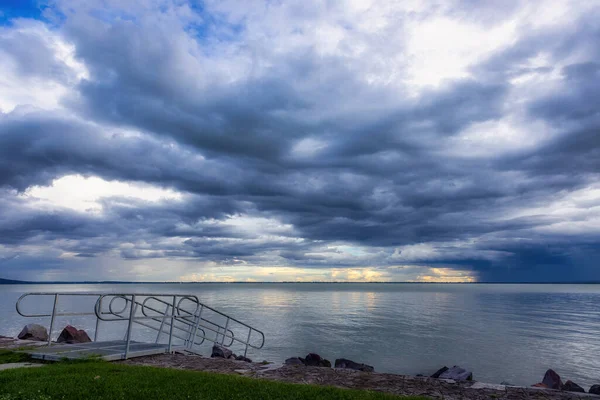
(307, 142)
(37, 148)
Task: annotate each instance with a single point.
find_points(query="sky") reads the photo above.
(157, 140)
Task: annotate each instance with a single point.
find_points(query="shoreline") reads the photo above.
(403, 385)
(396, 384)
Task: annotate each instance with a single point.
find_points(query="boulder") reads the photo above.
(315, 360)
(540, 385)
(595, 389)
(439, 372)
(552, 380)
(458, 374)
(349, 364)
(220, 351)
(34, 332)
(242, 358)
(294, 361)
(73, 335)
(571, 386)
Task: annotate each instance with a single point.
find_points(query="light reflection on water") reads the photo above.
(501, 332)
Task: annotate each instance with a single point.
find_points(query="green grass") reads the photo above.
(103, 380)
(7, 356)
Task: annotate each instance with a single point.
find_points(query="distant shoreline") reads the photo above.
(16, 282)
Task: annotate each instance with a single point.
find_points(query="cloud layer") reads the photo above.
(262, 141)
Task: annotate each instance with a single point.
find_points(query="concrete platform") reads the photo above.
(4, 367)
(9, 343)
(109, 350)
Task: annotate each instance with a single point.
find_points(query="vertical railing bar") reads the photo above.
(190, 331)
(197, 324)
(218, 333)
(162, 323)
(132, 311)
(98, 319)
(225, 331)
(190, 327)
(247, 341)
(172, 323)
(52, 319)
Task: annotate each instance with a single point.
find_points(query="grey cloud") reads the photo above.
(381, 180)
(32, 54)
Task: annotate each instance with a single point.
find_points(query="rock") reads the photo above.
(595, 389)
(294, 361)
(72, 335)
(571, 386)
(349, 364)
(540, 385)
(242, 358)
(439, 372)
(315, 360)
(34, 332)
(458, 374)
(552, 380)
(220, 351)
(312, 360)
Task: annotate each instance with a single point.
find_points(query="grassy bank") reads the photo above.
(101, 380)
(7, 356)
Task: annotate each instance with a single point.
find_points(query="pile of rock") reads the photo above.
(553, 381)
(39, 333)
(315, 360)
(223, 352)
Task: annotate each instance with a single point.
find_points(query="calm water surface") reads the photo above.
(501, 332)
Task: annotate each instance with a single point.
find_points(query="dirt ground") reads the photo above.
(390, 383)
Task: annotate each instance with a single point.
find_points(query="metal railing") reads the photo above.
(179, 316)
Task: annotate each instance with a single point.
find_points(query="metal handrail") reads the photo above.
(224, 334)
(175, 318)
(136, 319)
(184, 319)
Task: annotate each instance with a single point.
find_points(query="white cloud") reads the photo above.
(31, 45)
(84, 194)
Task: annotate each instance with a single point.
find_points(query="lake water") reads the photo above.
(501, 332)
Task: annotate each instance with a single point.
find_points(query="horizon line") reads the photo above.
(15, 281)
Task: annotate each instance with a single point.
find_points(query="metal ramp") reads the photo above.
(180, 322)
(110, 350)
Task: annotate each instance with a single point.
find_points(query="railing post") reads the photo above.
(247, 341)
(162, 323)
(52, 319)
(225, 331)
(131, 315)
(172, 323)
(98, 319)
(199, 316)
